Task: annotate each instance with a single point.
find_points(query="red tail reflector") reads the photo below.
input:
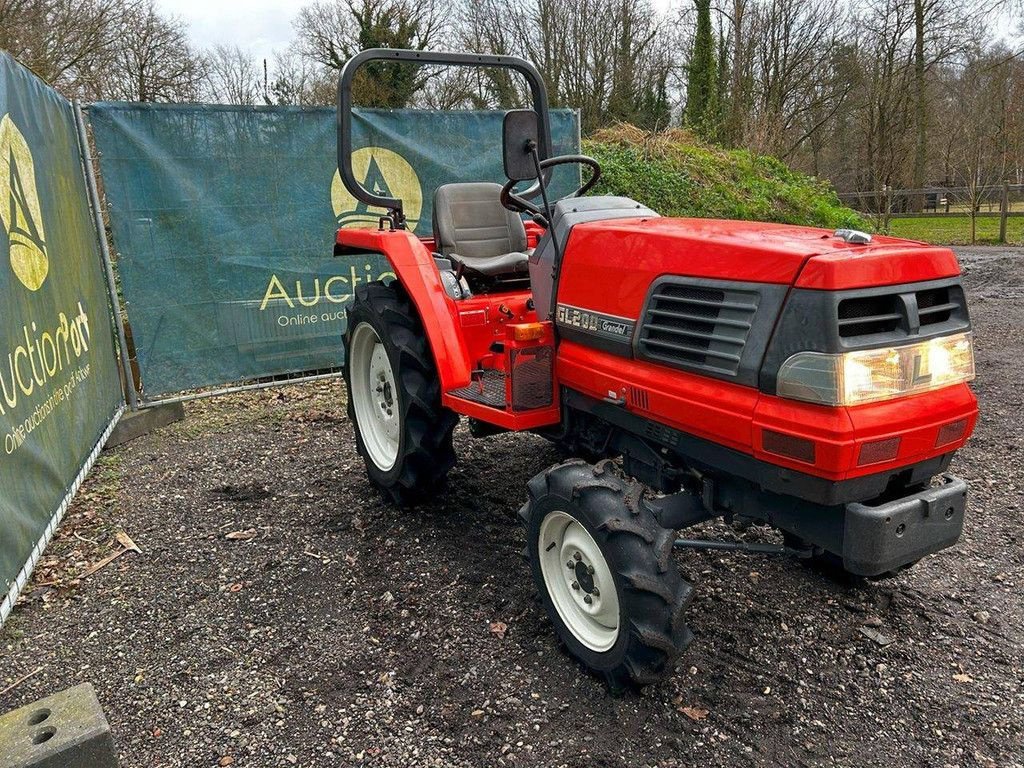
(878, 451)
(790, 446)
(951, 432)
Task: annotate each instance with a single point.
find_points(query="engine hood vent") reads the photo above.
(703, 327)
(887, 316)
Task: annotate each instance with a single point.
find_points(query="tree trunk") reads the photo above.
(702, 80)
(920, 110)
(738, 96)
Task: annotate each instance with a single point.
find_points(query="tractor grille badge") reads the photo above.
(596, 323)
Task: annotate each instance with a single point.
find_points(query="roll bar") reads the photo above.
(394, 205)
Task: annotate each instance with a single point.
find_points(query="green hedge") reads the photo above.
(676, 175)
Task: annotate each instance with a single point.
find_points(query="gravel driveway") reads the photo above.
(281, 614)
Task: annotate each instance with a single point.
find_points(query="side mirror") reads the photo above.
(520, 135)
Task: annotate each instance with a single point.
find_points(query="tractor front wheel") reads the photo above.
(402, 432)
(604, 569)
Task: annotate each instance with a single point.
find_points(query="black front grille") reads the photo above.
(864, 315)
(935, 305)
(696, 326)
(910, 311)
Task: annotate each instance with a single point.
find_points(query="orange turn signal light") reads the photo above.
(528, 332)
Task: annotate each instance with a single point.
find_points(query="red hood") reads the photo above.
(771, 253)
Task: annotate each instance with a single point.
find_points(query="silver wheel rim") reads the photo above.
(374, 397)
(579, 581)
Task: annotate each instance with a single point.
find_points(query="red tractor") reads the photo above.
(809, 380)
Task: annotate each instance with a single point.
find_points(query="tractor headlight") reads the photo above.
(869, 375)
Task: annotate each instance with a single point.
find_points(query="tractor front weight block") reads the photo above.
(886, 537)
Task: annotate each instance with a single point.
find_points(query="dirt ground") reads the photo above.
(281, 614)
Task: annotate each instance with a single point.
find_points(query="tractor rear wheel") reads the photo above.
(402, 432)
(604, 569)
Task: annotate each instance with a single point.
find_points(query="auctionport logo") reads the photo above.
(20, 209)
(46, 359)
(382, 172)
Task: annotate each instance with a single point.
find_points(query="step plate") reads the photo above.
(488, 389)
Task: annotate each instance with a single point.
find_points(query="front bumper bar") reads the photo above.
(881, 538)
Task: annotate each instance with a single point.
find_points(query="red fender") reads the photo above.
(414, 269)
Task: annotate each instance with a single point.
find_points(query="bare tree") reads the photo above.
(885, 101)
(738, 98)
(1014, 132)
(152, 58)
(233, 77)
(331, 32)
(67, 42)
(612, 59)
(492, 26)
(795, 88)
(940, 32)
(294, 80)
(10, 9)
(641, 48)
(12, 14)
(979, 96)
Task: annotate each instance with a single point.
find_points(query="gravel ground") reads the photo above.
(281, 614)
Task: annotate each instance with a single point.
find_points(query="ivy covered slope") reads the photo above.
(677, 175)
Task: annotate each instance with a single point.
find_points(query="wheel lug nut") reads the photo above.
(570, 565)
(575, 585)
(595, 592)
(588, 599)
(590, 570)
(577, 556)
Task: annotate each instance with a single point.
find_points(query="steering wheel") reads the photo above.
(514, 202)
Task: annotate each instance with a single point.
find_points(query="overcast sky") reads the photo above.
(263, 26)
(258, 26)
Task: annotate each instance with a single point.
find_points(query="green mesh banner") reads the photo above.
(224, 222)
(59, 381)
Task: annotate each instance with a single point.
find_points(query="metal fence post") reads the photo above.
(101, 234)
(1004, 212)
(887, 192)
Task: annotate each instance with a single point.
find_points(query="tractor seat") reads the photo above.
(473, 228)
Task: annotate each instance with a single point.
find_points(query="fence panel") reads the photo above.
(223, 219)
(60, 389)
(990, 213)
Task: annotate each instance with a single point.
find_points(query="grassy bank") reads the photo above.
(677, 175)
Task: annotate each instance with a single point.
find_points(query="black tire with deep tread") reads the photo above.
(653, 596)
(425, 452)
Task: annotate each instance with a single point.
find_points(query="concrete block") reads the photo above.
(66, 730)
(139, 423)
